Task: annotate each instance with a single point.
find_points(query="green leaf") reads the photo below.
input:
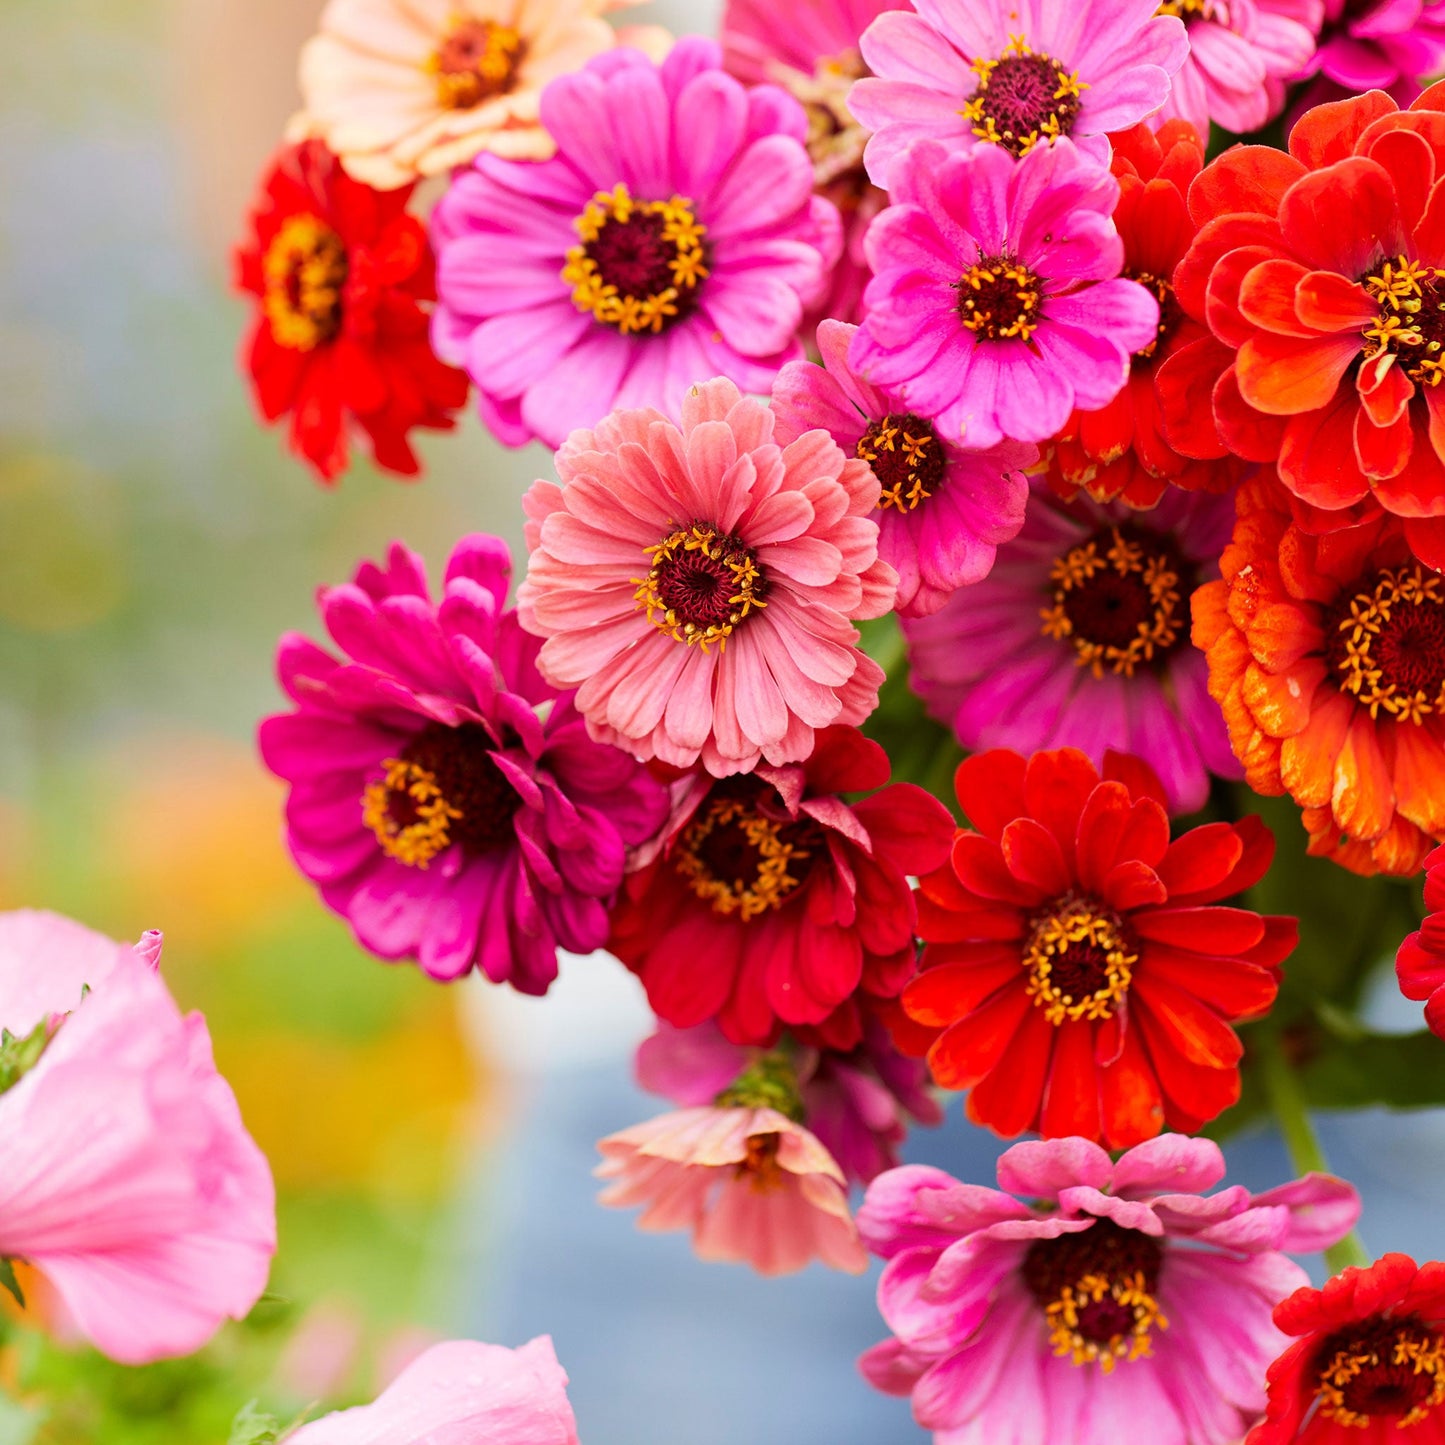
(251, 1427)
(8, 1280)
(1399, 1071)
(19, 1055)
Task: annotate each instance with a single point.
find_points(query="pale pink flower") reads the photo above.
(695, 584)
(127, 1180)
(457, 1393)
(752, 1186)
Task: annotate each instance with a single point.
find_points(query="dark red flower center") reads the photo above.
(742, 858)
(304, 272)
(907, 458)
(1410, 322)
(1187, 10)
(1121, 599)
(701, 585)
(1385, 643)
(476, 61)
(1098, 1290)
(1170, 311)
(1381, 1367)
(1080, 959)
(445, 787)
(1023, 98)
(999, 299)
(640, 263)
(835, 139)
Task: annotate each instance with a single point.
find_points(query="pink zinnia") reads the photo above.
(461, 1391)
(127, 1180)
(996, 304)
(444, 799)
(674, 236)
(1079, 638)
(1013, 75)
(942, 511)
(752, 1185)
(696, 584)
(1371, 45)
(1119, 1303)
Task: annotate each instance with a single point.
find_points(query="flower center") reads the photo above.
(1169, 309)
(761, 1167)
(999, 299)
(1098, 1290)
(835, 140)
(445, 788)
(1024, 97)
(1410, 323)
(1080, 960)
(476, 61)
(739, 860)
(702, 585)
(1187, 10)
(1120, 598)
(640, 262)
(907, 458)
(1387, 644)
(305, 269)
(1382, 1367)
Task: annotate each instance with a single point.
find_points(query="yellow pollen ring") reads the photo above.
(889, 438)
(1068, 88)
(1076, 923)
(1027, 297)
(1361, 674)
(304, 270)
(745, 575)
(772, 882)
(416, 843)
(1408, 294)
(1425, 1355)
(1064, 1317)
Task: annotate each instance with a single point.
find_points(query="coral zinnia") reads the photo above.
(1027, 71)
(342, 276)
(1420, 959)
(445, 800)
(1327, 654)
(674, 237)
(942, 511)
(1079, 637)
(1080, 976)
(1120, 1302)
(773, 901)
(1120, 450)
(1368, 1362)
(696, 585)
(1319, 274)
(996, 304)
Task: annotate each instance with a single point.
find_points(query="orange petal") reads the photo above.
(1285, 375)
(1317, 456)
(1420, 773)
(1133, 1108)
(1071, 1097)
(1266, 297)
(1281, 702)
(1363, 799)
(1341, 219)
(1331, 302)
(1244, 178)
(1383, 451)
(1327, 133)
(1385, 391)
(1307, 760)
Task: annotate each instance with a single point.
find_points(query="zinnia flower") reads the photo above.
(1080, 972)
(1368, 1361)
(461, 1390)
(1119, 1302)
(1121, 451)
(942, 511)
(774, 901)
(1327, 655)
(751, 1183)
(342, 276)
(1323, 297)
(445, 800)
(400, 89)
(1386, 45)
(674, 237)
(1079, 637)
(996, 304)
(1420, 959)
(127, 1180)
(1027, 72)
(813, 54)
(696, 585)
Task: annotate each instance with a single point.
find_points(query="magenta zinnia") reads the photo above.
(696, 584)
(444, 799)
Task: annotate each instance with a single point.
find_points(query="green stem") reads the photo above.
(1287, 1101)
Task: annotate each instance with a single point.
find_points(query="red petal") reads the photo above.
(1033, 856)
(1341, 219)
(1136, 775)
(1327, 133)
(1071, 1097)
(1057, 784)
(1007, 1098)
(1245, 178)
(1225, 931)
(1201, 859)
(941, 995)
(1132, 885)
(1235, 989)
(990, 789)
(980, 865)
(1133, 1109)
(967, 1050)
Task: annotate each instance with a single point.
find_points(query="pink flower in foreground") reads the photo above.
(459, 1392)
(696, 584)
(127, 1180)
(446, 801)
(996, 304)
(1119, 1303)
(942, 511)
(753, 1186)
(1013, 75)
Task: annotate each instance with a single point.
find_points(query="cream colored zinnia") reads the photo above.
(400, 89)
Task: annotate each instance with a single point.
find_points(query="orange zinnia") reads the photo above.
(1327, 655)
(1321, 275)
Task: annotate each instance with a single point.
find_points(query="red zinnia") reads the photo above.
(342, 273)
(1120, 451)
(773, 901)
(1080, 976)
(1420, 961)
(1369, 1363)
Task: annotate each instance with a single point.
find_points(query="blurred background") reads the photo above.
(432, 1146)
